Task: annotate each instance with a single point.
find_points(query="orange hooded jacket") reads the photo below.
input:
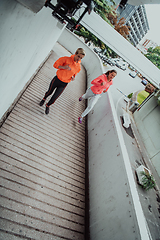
(97, 88)
(66, 75)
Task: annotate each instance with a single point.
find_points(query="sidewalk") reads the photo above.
(150, 200)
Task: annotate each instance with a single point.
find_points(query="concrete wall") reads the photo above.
(26, 39)
(148, 123)
(33, 5)
(114, 208)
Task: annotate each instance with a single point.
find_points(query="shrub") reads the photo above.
(130, 95)
(147, 181)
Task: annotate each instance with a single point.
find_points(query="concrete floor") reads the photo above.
(43, 162)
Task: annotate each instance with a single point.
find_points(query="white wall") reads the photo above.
(114, 208)
(26, 39)
(148, 123)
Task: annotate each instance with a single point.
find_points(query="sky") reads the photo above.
(153, 16)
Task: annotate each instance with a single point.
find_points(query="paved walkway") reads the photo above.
(43, 162)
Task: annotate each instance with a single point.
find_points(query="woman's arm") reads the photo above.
(98, 81)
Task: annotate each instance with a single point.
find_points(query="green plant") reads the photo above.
(130, 95)
(148, 181)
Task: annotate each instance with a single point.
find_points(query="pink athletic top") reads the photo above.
(97, 88)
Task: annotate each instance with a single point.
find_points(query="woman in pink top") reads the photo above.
(100, 85)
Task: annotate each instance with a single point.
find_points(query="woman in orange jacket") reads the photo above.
(100, 85)
(67, 67)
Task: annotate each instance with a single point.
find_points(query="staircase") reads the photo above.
(43, 159)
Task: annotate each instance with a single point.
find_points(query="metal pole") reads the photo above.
(124, 95)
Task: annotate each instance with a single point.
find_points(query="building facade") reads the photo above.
(145, 44)
(136, 19)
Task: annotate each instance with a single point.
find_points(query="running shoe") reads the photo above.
(47, 110)
(80, 119)
(42, 102)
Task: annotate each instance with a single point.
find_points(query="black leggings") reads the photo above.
(55, 83)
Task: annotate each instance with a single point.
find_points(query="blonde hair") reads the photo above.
(80, 51)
